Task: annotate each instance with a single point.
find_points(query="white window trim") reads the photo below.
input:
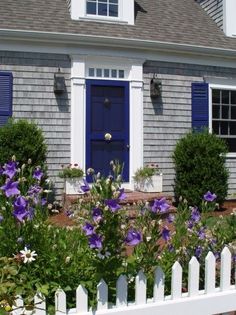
(134, 70)
(125, 12)
(220, 87)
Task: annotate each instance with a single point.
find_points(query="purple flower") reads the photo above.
(165, 234)
(201, 233)
(43, 201)
(10, 169)
(170, 218)
(88, 229)
(1, 218)
(10, 188)
(95, 241)
(69, 213)
(20, 209)
(209, 196)
(170, 248)
(97, 214)
(35, 189)
(195, 215)
(160, 205)
(122, 194)
(112, 204)
(133, 237)
(198, 251)
(38, 174)
(85, 188)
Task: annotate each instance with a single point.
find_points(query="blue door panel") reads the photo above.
(107, 112)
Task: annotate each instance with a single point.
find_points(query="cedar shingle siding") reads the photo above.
(34, 99)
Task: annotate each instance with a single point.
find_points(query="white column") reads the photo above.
(78, 111)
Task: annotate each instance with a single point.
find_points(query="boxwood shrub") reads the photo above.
(23, 139)
(199, 159)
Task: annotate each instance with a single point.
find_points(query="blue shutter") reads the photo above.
(200, 105)
(5, 97)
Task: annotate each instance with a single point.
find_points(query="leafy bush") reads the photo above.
(71, 171)
(24, 140)
(199, 160)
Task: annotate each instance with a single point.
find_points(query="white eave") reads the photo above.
(126, 43)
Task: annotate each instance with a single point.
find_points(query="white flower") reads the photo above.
(28, 255)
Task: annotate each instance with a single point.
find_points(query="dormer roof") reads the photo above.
(167, 21)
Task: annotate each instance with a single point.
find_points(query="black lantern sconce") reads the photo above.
(59, 82)
(155, 87)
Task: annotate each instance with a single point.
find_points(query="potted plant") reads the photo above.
(73, 179)
(148, 178)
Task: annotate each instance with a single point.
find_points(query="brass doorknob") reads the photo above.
(107, 136)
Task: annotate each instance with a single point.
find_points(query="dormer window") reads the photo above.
(102, 7)
(111, 11)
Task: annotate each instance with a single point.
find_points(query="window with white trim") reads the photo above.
(224, 116)
(102, 7)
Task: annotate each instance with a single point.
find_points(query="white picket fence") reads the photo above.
(210, 301)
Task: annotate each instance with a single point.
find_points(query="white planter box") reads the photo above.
(72, 186)
(153, 184)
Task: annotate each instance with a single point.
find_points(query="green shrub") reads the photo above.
(199, 160)
(23, 139)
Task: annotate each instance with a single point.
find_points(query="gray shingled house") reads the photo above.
(144, 72)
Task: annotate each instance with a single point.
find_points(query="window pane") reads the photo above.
(121, 74)
(91, 7)
(215, 127)
(106, 73)
(233, 97)
(216, 111)
(114, 1)
(102, 9)
(98, 72)
(113, 73)
(113, 10)
(233, 112)
(231, 144)
(224, 127)
(91, 72)
(233, 128)
(225, 112)
(225, 97)
(216, 96)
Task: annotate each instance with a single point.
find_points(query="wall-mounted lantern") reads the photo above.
(59, 82)
(155, 87)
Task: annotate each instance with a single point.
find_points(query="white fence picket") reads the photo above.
(18, 306)
(102, 295)
(225, 269)
(193, 277)
(121, 291)
(140, 288)
(81, 299)
(60, 302)
(40, 304)
(176, 281)
(210, 273)
(159, 285)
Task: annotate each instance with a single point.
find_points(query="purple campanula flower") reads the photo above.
(38, 174)
(160, 205)
(88, 229)
(195, 215)
(97, 214)
(1, 218)
(34, 189)
(20, 203)
(170, 218)
(165, 234)
(209, 196)
(43, 201)
(112, 204)
(122, 194)
(21, 214)
(133, 237)
(10, 169)
(171, 248)
(234, 258)
(217, 255)
(198, 251)
(85, 188)
(20, 209)
(10, 188)
(95, 241)
(201, 233)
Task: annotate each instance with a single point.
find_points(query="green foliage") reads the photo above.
(71, 171)
(199, 160)
(144, 173)
(24, 140)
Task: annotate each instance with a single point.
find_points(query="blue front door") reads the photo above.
(107, 125)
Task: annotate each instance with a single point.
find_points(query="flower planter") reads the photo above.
(152, 184)
(72, 186)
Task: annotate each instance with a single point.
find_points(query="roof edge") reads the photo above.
(96, 40)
